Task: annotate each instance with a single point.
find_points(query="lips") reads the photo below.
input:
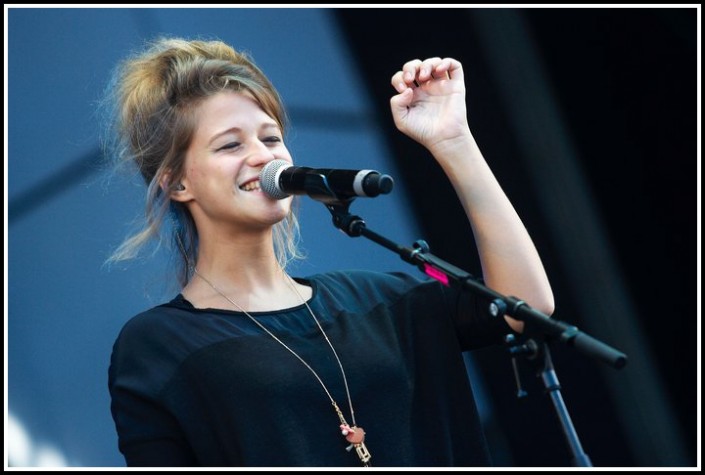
(250, 185)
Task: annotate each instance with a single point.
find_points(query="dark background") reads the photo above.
(625, 81)
(587, 116)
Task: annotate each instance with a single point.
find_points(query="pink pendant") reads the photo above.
(356, 435)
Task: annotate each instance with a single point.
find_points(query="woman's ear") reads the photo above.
(177, 191)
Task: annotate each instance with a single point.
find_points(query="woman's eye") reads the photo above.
(229, 146)
(273, 139)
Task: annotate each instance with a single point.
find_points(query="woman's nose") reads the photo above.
(260, 155)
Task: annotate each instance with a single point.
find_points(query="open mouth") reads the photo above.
(250, 186)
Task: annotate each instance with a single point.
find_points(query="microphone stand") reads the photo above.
(539, 328)
(536, 349)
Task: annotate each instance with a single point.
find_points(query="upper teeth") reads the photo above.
(250, 186)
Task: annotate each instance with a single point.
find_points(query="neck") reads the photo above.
(246, 271)
(246, 265)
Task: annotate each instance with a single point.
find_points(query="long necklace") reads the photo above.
(353, 434)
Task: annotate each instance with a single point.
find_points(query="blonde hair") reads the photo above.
(153, 97)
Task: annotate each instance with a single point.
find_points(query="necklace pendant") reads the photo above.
(356, 436)
(363, 453)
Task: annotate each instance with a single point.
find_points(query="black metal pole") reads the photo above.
(553, 389)
(449, 274)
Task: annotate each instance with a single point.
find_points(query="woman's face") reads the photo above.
(233, 140)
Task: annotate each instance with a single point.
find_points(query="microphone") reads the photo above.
(280, 179)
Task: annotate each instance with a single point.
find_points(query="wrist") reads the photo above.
(459, 148)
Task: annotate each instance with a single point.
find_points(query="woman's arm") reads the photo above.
(430, 108)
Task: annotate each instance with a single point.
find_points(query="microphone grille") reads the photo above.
(269, 179)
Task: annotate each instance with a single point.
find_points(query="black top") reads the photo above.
(208, 387)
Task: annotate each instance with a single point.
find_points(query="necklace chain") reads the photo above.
(335, 353)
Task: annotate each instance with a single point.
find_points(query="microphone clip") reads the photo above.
(317, 187)
(343, 220)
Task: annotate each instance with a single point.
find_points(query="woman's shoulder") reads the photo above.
(155, 324)
(366, 285)
(158, 316)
